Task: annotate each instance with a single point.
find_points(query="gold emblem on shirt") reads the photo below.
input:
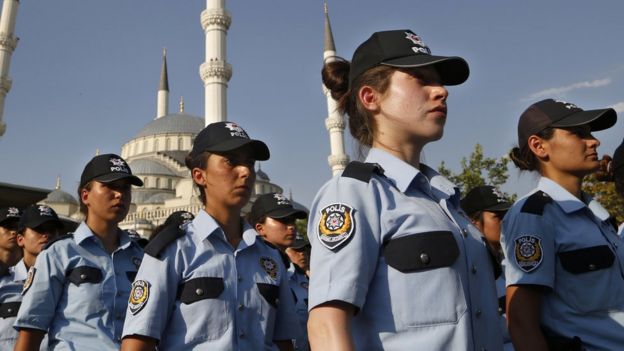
(528, 252)
(138, 296)
(270, 266)
(336, 225)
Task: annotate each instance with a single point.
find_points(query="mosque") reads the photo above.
(156, 153)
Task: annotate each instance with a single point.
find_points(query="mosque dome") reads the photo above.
(175, 123)
(159, 198)
(147, 166)
(59, 196)
(260, 175)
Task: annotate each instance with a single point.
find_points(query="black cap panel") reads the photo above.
(228, 136)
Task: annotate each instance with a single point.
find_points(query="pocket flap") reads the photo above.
(270, 293)
(84, 274)
(9, 309)
(421, 251)
(588, 259)
(200, 289)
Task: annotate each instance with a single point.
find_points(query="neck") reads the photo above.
(406, 151)
(105, 231)
(29, 259)
(571, 183)
(229, 220)
(9, 258)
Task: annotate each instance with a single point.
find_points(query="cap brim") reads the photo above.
(597, 119)
(503, 206)
(299, 244)
(9, 219)
(111, 177)
(287, 212)
(259, 149)
(39, 221)
(453, 70)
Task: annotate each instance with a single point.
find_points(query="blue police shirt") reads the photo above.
(10, 299)
(553, 239)
(398, 248)
(79, 292)
(202, 294)
(298, 282)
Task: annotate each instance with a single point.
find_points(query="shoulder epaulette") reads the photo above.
(535, 203)
(362, 171)
(62, 237)
(168, 235)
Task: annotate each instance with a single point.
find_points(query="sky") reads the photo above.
(85, 76)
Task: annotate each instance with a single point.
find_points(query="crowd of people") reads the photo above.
(395, 258)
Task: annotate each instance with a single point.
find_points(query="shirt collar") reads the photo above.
(20, 271)
(83, 232)
(402, 175)
(204, 226)
(568, 202)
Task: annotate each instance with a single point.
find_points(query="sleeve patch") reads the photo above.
(138, 296)
(336, 225)
(528, 252)
(29, 279)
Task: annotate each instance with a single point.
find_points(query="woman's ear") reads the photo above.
(369, 98)
(260, 229)
(538, 146)
(199, 176)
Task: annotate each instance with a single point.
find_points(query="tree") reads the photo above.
(605, 193)
(478, 170)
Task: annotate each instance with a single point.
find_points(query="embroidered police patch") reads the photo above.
(29, 279)
(270, 266)
(336, 225)
(138, 296)
(528, 252)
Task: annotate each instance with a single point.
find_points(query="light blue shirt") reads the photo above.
(10, 297)
(298, 282)
(79, 292)
(400, 223)
(573, 250)
(240, 300)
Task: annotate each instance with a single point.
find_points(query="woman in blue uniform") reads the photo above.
(395, 265)
(213, 284)
(78, 289)
(564, 260)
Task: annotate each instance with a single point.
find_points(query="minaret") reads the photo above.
(8, 43)
(163, 89)
(334, 123)
(58, 183)
(215, 71)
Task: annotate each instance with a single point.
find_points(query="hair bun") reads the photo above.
(335, 76)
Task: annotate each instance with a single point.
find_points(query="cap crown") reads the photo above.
(102, 165)
(484, 198)
(35, 215)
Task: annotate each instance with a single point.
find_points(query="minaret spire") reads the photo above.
(8, 43)
(181, 104)
(215, 71)
(58, 182)
(334, 123)
(163, 89)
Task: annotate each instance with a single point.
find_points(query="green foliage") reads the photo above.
(302, 227)
(478, 170)
(605, 193)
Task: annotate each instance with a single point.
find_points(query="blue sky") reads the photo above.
(85, 75)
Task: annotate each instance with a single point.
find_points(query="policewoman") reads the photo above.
(395, 265)
(78, 289)
(10, 289)
(213, 284)
(274, 218)
(564, 260)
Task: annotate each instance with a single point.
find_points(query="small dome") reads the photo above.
(260, 175)
(176, 123)
(59, 196)
(159, 198)
(149, 167)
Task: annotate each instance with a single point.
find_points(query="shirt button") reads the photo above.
(592, 267)
(478, 313)
(500, 311)
(241, 335)
(241, 307)
(277, 301)
(119, 316)
(83, 276)
(240, 278)
(464, 232)
(199, 292)
(424, 258)
(474, 269)
(9, 310)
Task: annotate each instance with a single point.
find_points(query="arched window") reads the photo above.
(145, 181)
(169, 183)
(156, 145)
(144, 148)
(168, 144)
(157, 183)
(179, 143)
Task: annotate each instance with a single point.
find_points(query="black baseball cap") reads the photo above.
(108, 168)
(617, 163)
(484, 198)
(558, 114)
(36, 215)
(276, 206)
(403, 48)
(9, 214)
(227, 136)
(179, 218)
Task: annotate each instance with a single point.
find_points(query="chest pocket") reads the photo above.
(269, 292)
(9, 309)
(587, 259)
(423, 251)
(199, 289)
(84, 274)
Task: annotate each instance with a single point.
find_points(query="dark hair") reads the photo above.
(476, 216)
(254, 221)
(198, 161)
(335, 76)
(83, 207)
(524, 158)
